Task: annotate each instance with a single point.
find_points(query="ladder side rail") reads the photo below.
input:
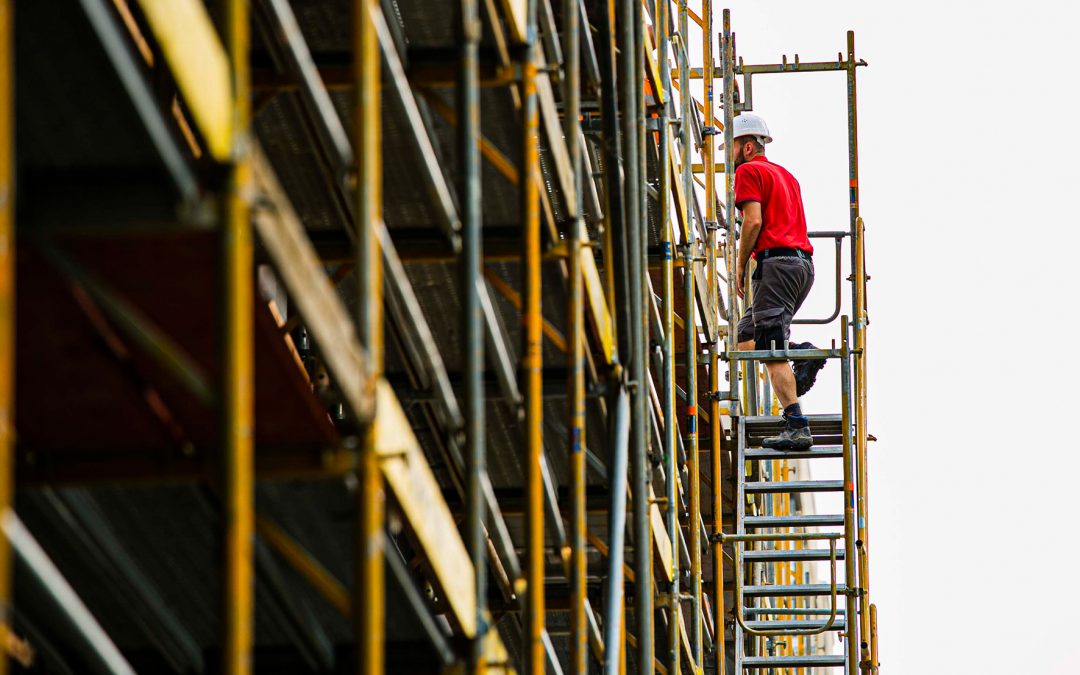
(858, 304)
(740, 515)
(852, 629)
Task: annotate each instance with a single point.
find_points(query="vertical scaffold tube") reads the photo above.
(615, 624)
(468, 91)
(616, 248)
(7, 299)
(730, 242)
(533, 356)
(369, 605)
(238, 364)
(851, 642)
(579, 645)
(715, 430)
(859, 335)
(690, 330)
(630, 45)
(667, 286)
(613, 184)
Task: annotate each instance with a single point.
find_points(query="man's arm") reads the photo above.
(751, 227)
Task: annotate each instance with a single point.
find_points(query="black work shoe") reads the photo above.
(805, 371)
(790, 439)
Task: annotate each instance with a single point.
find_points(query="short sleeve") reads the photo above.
(747, 185)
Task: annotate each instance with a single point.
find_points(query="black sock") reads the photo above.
(793, 415)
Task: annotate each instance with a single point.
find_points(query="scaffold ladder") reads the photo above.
(779, 613)
(776, 614)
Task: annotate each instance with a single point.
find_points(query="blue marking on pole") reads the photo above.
(576, 440)
(666, 248)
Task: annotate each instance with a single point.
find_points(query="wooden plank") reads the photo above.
(549, 120)
(598, 309)
(515, 18)
(197, 59)
(294, 257)
(652, 71)
(704, 299)
(421, 499)
(677, 188)
(597, 301)
(402, 460)
(661, 540)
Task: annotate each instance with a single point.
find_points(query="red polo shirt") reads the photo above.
(783, 222)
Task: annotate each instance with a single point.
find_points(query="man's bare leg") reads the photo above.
(796, 436)
(781, 376)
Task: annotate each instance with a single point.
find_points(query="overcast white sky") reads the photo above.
(968, 146)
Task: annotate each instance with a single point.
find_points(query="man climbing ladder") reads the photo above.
(774, 234)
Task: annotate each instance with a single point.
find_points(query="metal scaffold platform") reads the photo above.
(399, 336)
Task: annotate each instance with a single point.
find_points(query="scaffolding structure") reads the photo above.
(399, 336)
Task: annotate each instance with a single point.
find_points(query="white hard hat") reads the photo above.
(749, 124)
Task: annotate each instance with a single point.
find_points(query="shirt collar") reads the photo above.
(760, 158)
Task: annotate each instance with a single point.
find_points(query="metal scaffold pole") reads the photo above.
(7, 304)
(631, 75)
(858, 265)
(237, 359)
(730, 241)
(532, 366)
(667, 349)
(579, 645)
(468, 91)
(690, 261)
(369, 595)
(616, 241)
(715, 428)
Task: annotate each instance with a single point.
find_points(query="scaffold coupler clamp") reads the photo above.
(711, 131)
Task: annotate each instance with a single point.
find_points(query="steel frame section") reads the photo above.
(774, 498)
(640, 166)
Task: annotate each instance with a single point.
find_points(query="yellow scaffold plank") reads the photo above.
(198, 62)
(282, 234)
(677, 187)
(661, 540)
(598, 309)
(414, 486)
(549, 118)
(652, 71)
(515, 18)
(705, 300)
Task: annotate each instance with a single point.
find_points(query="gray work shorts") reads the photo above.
(780, 285)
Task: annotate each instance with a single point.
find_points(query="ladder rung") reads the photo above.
(780, 591)
(761, 423)
(817, 520)
(797, 624)
(795, 486)
(791, 555)
(817, 452)
(809, 661)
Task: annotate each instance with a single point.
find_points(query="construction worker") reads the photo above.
(774, 234)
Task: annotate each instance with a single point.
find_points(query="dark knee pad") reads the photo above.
(766, 336)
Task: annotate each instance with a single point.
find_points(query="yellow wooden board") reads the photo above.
(515, 18)
(198, 62)
(598, 308)
(421, 499)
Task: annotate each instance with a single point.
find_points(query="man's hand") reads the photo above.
(751, 227)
